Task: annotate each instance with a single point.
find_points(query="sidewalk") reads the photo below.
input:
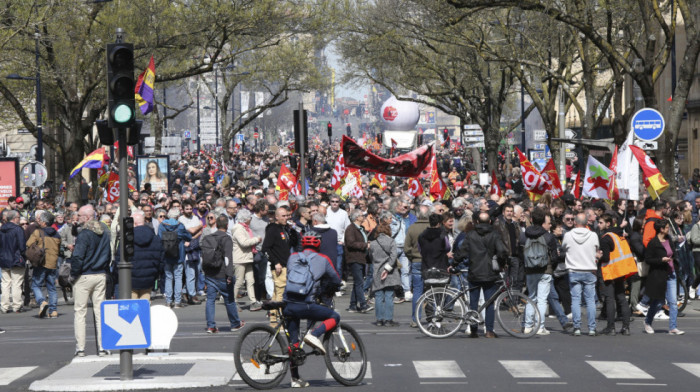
(177, 370)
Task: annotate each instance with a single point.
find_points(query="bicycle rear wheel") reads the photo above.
(438, 314)
(346, 358)
(261, 358)
(510, 313)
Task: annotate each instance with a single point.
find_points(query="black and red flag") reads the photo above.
(410, 164)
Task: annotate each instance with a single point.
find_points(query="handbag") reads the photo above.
(642, 268)
(37, 254)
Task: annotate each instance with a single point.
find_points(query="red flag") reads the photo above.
(534, 184)
(379, 180)
(438, 188)
(495, 188)
(415, 188)
(113, 188)
(653, 180)
(339, 172)
(129, 149)
(549, 174)
(578, 183)
(407, 165)
(393, 147)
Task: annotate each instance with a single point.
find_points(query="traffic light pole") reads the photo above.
(302, 148)
(126, 368)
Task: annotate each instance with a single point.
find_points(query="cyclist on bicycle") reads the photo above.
(305, 306)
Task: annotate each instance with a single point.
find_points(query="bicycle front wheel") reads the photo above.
(510, 313)
(439, 314)
(261, 357)
(346, 358)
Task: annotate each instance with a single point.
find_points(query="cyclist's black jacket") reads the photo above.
(478, 248)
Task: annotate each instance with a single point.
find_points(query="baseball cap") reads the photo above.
(19, 199)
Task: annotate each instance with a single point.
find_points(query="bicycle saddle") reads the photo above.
(272, 305)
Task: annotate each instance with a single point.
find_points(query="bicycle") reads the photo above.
(263, 354)
(441, 311)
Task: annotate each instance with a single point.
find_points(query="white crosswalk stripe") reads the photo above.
(692, 368)
(353, 371)
(529, 369)
(8, 375)
(438, 369)
(620, 370)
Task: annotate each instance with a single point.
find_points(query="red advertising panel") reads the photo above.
(9, 179)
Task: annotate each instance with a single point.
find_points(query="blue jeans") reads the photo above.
(220, 286)
(40, 276)
(405, 271)
(538, 287)
(417, 281)
(583, 282)
(191, 267)
(489, 289)
(313, 312)
(339, 260)
(656, 304)
(384, 304)
(369, 277)
(357, 297)
(555, 306)
(173, 277)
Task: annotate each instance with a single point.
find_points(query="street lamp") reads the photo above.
(37, 79)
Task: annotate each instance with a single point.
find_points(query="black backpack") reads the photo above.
(171, 244)
(212, 254)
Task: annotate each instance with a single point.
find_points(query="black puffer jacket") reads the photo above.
(477, 249)
(434, 247)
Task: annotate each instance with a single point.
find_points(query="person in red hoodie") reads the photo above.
(660, 209)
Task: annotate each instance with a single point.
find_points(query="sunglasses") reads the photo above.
(161, 216)
(211, 218)
(568, 219)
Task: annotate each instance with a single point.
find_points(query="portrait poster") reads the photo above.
(9, 179)
(153, 170)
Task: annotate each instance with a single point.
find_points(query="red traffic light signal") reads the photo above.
(330, 130)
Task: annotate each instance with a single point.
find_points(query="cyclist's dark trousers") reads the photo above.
(312, 312)
(614, 291)
(489, 289)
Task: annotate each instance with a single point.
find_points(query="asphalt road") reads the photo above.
(403, 359)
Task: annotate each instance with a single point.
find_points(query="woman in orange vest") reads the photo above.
(616, 264)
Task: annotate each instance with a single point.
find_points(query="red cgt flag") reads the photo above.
(415, 188)
(534, 184)
(550, 176)
(495, 188)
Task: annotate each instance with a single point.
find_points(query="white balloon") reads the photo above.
(399, 115)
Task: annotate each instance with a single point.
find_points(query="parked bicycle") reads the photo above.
(263, 354)
(442, 310)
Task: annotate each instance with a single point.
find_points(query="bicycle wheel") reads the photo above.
(346, 358)
(438, 314)
(681, 293)
(510, 313)
(261, 358)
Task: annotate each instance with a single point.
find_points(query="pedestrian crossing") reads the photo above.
(527, 372)
(10, 374)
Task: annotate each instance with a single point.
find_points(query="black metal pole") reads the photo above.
(39, 132)
(126, 368)
(216, 106)
(199, 134)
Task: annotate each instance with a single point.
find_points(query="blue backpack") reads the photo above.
(300, 280)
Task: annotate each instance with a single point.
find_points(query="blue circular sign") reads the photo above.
(648, 124)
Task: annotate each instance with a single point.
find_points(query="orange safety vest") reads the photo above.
(621, 262)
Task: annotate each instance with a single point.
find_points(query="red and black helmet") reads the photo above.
(311, 239)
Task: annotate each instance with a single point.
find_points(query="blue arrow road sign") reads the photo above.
(126, 324)
(187, 134)
(648, 124)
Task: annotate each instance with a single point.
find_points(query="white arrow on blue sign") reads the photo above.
(648, 124)
(126, 324)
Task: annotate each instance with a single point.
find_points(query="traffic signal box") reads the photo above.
(120, 85)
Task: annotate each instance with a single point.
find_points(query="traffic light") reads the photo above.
(128, 227)
(301, 135)
(348, 130)
(120, 85)
(446, 134)
(330, 130)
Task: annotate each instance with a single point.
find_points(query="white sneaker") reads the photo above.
(570, 317)
(543, 331)
(343, 284)
(648, 329)
(527, 330)
(299, 383)
(408, 296)
(314, 342)
(642, 308)
(661, 315)
(691, 293)
(676, 331)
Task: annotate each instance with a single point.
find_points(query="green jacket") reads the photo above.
(410, 245)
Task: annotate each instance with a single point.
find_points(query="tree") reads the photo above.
(642, 53)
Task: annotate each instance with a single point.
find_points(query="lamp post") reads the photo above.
(199, 131)
(37, 79)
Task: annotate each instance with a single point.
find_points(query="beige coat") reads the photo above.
(243, 244)
(51, 247)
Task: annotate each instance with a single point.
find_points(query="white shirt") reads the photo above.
(338, 221)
